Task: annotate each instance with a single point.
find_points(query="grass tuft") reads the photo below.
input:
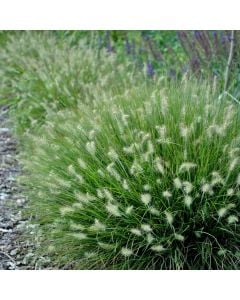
(144, 180)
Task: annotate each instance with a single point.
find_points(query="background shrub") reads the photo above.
(41, 73)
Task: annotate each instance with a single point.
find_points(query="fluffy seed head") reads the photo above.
(150, 147)
(126, 252)
(215, 130)
(113, 209)
(159, 166)
(79, 236)
(167, 194)
(91, 147)
(216, 179)
(232, 219)
(135, 168)
(233, 152)
(98, 226)
(222, 212)
(71, 170)
(101, 173)
(162, 130)
(63, 183)
(84, 198)
(108, 195)
(150, 238)
(65, 210)
(91, 134)
(77, 205)
(157, 248)
(146, 227)
(129, 150)
(188, 200)
(113, 172)
(113, 154)
(89, 254)
(76, 226)
(184, 131)
(222, 252)
(187, 166)
(187, 187)
(125, 185)
(177, 183)
(136, 231)
(81, 163)
(129, 210)
(100, 194)
(207, 188)
(106, 246)
(169, 217)
(179, 237)
(146, 198)
(147, 187)
(233, 164)
(230, 192)
(124, 119)
(154, 211)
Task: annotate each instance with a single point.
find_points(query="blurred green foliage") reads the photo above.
(173, 53)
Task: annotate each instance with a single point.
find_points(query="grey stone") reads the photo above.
(4, 130)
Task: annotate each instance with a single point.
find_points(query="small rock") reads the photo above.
(20, 202)
(5, 230)
(4, 130)
(14, 252)
(11, 265)
(11, 178)
(3, 196)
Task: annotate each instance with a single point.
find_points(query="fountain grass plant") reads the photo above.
(146, 179)
(40, 73)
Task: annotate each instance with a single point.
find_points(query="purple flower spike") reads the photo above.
(214, 33)
(197, 34)
(223, 38)
(109, 47)
(229, 38)
(100, 41)
(108, 41)
(150, 69)
(127, 46)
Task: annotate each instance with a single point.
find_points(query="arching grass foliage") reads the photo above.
(146, 179)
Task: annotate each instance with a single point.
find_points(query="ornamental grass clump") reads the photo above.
(41, 74)
(145, 180)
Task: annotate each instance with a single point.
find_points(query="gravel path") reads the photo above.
(15, 253)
